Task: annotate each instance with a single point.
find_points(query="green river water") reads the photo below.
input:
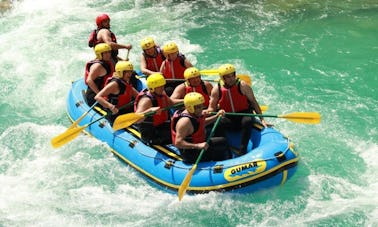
(302, 55)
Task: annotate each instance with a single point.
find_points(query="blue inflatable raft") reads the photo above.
(271, 159)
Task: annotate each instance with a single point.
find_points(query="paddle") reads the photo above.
(125, 120)
(72, 133)
(210, 72)
(185, 183)
(127, 55)
(298, 117)
(82, 116)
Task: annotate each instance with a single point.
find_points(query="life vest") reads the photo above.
(124, 96)
(200, 89)
(157, 100)
(198, 123)
(231, 99)
(101, 80)
(154, 62)
(175, 69)
(93, 41)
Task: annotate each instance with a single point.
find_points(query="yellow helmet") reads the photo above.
(193, 99)
(147, 43)
(155, 80)
(122, 66)
(170, 48)
(101, 48)
(191, 73)
(226, 69)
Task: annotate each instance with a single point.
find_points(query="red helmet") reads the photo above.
(100, 18)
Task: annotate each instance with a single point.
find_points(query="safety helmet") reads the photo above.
(155, 80)
(100, 18)
(101, 48)
(122, 66)
(193, 99)
(191, 73)
(170, 48)
(147, 43)
(226, 69)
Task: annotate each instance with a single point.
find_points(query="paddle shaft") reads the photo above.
(75, 123)
(127, 55)
(208, 138)
(266, 115)
(165, 108)
(298, 117)
(185, 183)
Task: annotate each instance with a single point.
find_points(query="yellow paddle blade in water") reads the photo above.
(185, 183)
(125, 120)
(67, 136)
(302, 117)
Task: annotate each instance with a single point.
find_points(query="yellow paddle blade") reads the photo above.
(77, 121)
(185, 183)
(125, 120)
(302, 117)
(67, 136)
(264, 108)
(210, 72)
(245, 78)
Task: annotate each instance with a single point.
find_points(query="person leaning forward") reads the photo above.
(154, 129)
(118, 91)
(193, 83)
(189, 133)
(235, 95)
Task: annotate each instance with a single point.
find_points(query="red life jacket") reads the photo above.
(124, 96)
(157, 100)
(231, 99)
(154, 62)
(175, 69)
(101, 80)
(200, 89)
(198, 123)
(93, 41)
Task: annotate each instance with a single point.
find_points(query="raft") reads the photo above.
(270, 161)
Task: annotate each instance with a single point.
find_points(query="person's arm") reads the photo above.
(105, 36)
(178, 94)
(187, 63)
(185, 128)
(111, 88)
(143, 66)
(214, 117)
(95, 71)
(214, 98)
(247, 91)
(162, 67)
(208, 86)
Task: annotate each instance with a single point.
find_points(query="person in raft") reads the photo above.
(97, 71)
(154, 129)
(151, 58)
(189, 133)
(118, 91)
(173, 66)
(102, 34)
(235, 95)
(193, 83)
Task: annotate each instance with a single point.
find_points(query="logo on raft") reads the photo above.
(245, 170)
